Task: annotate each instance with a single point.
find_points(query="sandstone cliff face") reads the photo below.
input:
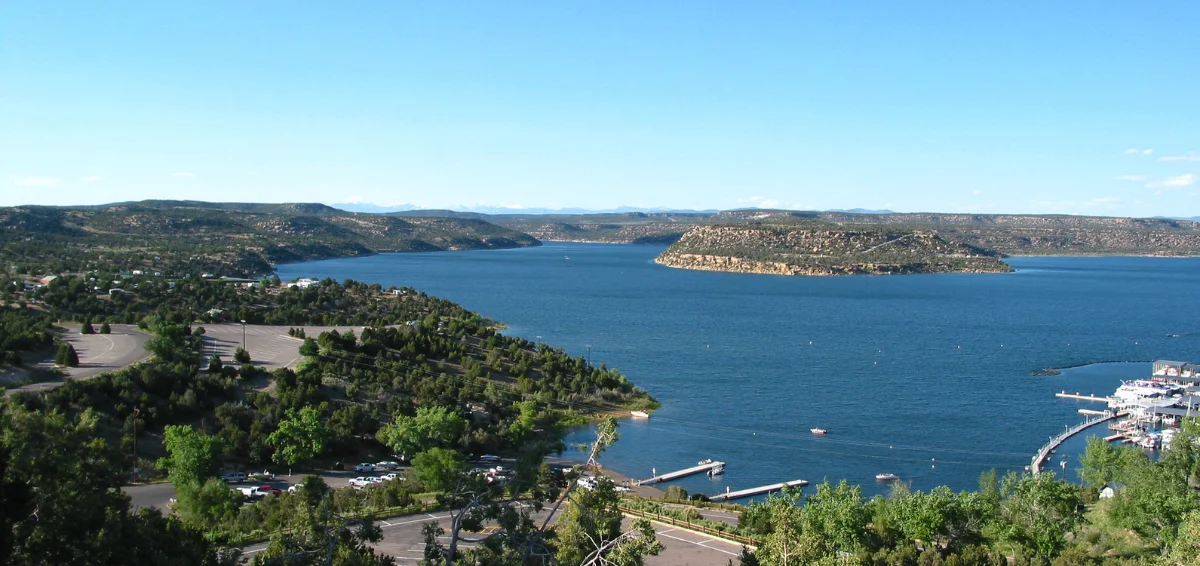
(825, 251)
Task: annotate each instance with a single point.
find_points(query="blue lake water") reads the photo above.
(924, 376)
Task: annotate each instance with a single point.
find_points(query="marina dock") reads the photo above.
(757, 490)
(1077, 396)
(680, 474)
(1044, 453)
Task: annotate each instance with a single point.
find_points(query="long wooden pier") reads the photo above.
(681, 473)
(1044, 453)
(757, 490)
(1065, 395)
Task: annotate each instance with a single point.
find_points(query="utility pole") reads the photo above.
(136, 412)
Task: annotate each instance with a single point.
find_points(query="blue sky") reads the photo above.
(1035, 107)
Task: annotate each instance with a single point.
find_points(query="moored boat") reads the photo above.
(818, 431)
(886, 477)
(719, 470)
(639, 414)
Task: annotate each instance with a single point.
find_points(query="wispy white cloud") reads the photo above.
(1189, 156)
(1130, 177)
(37, 181)
(182, 174)
(1177, 182)
(90, 178)
(977, 192)
(1136, 151)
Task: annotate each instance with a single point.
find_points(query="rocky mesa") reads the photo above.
(826, 250)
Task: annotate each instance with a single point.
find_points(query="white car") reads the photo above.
(390, 477)
(365, 467)
(361, 481)
(234, 477)
(295, 487)
(489, 458)
(251, 492)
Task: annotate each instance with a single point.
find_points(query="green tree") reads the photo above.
(1038, 512)
(309, 348)
(105, 328)
(313, 533)
(215, 365)
(241, 356)
(301, 436)
(839, 514)
(432, 427)
(207, 504)
(86, 327)
(66, 356)
(589, 531)
(1101, 463)
(1153, 503)
(1183, 455)
(1185, 551)
(438, 468)
(79, 517)
(193, 456)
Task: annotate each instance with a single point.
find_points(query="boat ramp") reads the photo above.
(728, 495)
(681, 473)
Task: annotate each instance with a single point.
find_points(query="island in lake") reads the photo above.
(820, 248)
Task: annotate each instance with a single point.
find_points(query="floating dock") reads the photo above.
(1044, 453)
(680, 474)
(1077, 396)
(1114, 437)
(757, 490)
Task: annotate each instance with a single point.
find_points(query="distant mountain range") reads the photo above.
(491, 210)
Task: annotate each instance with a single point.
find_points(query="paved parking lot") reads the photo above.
(270, 347)
(98, 353)
(403, 541)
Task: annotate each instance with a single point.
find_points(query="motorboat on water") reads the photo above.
(639, 414)
(818, 431)
(717, 471)
(704, 461)
(886, 477)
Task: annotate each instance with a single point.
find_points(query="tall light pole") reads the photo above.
(243, 335)
(136, 412)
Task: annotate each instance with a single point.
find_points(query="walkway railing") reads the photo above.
(1044, 452)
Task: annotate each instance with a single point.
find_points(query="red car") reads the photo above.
(268, 490)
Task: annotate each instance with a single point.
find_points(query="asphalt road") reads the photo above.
(403, 541)
(98, 353)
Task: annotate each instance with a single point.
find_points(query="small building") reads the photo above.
(1170, 368)
(47, 279)
(303, 283)
(1110, 489)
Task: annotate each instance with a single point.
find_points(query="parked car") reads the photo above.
(261, 476)
(234, 477)
(360, 481)
(295, 487)
(375, 479)
(268, 490)
(251, 492)
(387, 465)
(365, 467)
(390, 477)
(489, 458)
